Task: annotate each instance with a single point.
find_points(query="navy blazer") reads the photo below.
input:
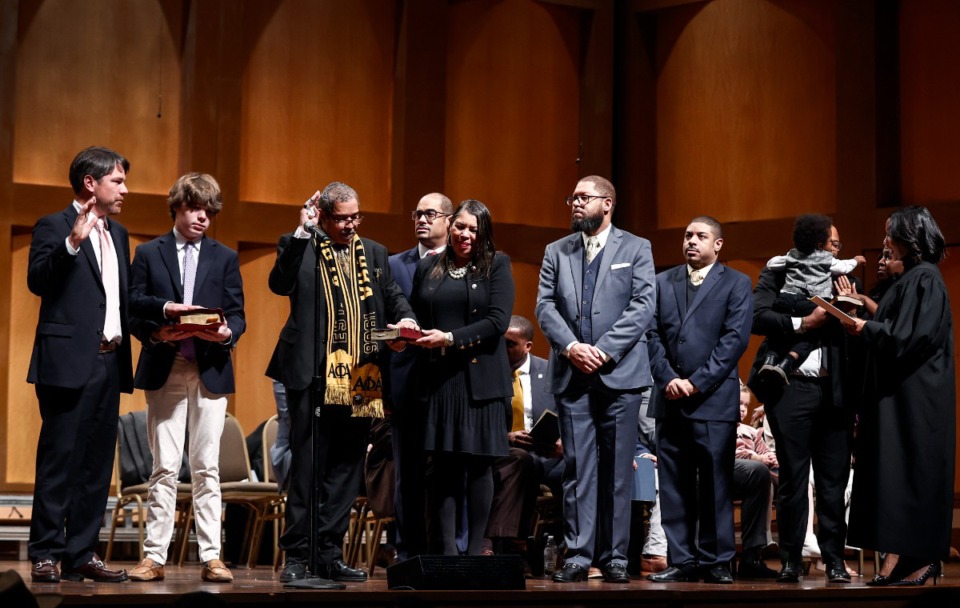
(72, 304)
(622, 307)
(292, 363)
(541, 398)
(403, 266)
(701, 343)
(155, 280)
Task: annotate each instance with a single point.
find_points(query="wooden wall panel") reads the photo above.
(266, 313)
(317, 99)
(92, 73)
(512, 114)
(930, 95)
(526, 278)
(745, 110)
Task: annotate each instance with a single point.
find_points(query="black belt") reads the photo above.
(107, 347)
(811, 379)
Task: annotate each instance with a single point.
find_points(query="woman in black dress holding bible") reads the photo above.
(463, 299)
(903, 488)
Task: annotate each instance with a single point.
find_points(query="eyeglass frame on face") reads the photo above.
(343, 221)
(425, 213)
(579, 199)
(836, 243)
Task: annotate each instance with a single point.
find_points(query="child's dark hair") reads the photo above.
(811, 231)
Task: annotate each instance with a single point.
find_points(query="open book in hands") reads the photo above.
(833, 310)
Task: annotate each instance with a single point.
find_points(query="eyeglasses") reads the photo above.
(429, 214)
(836, 244)
(343, 221)
(582, 199)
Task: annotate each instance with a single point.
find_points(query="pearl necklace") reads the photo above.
(456, 273)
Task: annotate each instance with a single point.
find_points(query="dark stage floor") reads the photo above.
(259, 587)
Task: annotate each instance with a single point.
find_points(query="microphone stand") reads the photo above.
(314, 580)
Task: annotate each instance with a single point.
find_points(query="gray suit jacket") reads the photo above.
(623, 307)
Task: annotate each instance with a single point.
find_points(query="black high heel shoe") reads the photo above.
(932, 571)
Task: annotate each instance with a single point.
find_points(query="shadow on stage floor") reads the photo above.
(259, 587)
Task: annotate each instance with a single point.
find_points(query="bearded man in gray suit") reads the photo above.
(596, 298)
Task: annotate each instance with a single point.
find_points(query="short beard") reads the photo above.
(589, 223)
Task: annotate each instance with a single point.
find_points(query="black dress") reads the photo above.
(455, 420)
(903, 487)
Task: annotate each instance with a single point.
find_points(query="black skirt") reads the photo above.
(456, 423)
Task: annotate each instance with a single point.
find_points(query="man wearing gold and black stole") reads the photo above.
(357, 293)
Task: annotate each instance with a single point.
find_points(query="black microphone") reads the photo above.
(312, 228)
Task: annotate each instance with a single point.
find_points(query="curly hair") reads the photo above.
(811, 232)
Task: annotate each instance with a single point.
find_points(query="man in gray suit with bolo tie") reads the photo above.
(595, 300)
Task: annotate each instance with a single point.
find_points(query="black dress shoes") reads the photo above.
(293, 570)
(687, 573)
(837, 572)
(615, 573)
(717, 575)
(340, 571)
(755, 569)
(45, 571)
(94, 570)
(790, 573)
(570, 573)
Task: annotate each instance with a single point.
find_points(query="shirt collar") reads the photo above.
(423, 251)
(601, 236)
(182, 240)
(703, 271)
(524, 368)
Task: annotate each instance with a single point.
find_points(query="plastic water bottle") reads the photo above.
(549, 556)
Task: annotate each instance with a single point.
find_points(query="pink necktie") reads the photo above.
(110, 276)
(187, 346)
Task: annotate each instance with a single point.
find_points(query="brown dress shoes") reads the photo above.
(215, 571)
(147, 570)
(94, 570)
(45, 571)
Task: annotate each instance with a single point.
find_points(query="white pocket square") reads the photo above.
(621, 265)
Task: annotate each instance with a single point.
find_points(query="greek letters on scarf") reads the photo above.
(352, 375)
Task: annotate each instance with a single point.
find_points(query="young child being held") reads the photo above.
(810, 270)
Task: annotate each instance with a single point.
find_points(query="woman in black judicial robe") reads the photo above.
(463, 299)
(903, 488)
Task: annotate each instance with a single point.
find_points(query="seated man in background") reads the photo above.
(517, 476)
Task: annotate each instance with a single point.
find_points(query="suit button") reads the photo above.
(474, 286)
(102, 305)
(680, 365)
(474, 311)
(682, 340)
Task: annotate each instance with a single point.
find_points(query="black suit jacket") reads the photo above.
(72, 304)
(844, 373)
(293, 275)
(477, 331)
(155, 280)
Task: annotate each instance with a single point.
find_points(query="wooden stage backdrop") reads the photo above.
(750, 110)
